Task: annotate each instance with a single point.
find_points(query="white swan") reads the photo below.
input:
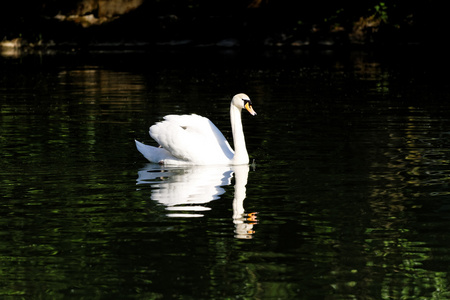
(195, 140)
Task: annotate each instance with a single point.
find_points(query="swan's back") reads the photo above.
(192, 138)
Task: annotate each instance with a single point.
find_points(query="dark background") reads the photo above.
(243, 23)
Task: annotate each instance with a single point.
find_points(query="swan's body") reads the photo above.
(195, 140)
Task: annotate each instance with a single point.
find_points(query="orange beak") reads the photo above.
(249, 108)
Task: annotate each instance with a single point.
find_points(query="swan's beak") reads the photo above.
(249, 108)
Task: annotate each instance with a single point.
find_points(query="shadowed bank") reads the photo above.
(84, 24)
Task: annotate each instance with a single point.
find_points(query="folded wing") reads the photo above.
(192, 138)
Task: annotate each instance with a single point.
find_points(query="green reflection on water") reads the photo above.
(350, 187)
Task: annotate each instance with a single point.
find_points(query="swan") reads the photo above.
(195, 140)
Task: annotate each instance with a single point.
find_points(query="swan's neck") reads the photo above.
(240, 150)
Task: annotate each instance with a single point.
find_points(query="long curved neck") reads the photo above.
(240, 150)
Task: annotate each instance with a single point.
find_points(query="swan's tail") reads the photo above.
(153, 154)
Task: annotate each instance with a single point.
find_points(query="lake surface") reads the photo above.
(347, 197)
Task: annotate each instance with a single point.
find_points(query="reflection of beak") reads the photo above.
(250, 109)
(251, 217)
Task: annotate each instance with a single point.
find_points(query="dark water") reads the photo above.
(348, 197)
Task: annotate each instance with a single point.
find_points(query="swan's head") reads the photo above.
(243, 101)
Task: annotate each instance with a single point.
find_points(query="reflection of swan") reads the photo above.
(195, 140)
(244, 230)
(186, 189)
(182, 189)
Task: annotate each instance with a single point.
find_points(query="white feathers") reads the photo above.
(192, 138)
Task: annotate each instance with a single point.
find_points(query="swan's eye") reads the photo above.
(247, 101)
